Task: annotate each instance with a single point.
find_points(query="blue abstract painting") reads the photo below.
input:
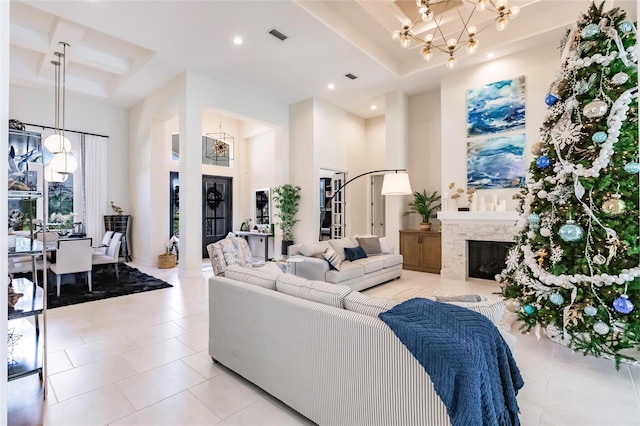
(496, 162)
(496, 107)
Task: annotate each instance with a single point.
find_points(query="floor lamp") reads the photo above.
(396, 182)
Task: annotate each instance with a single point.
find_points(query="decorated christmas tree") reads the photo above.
(574, 269)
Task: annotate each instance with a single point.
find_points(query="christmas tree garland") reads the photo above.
(574, 269)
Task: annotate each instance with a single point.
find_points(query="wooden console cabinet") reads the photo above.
(421, 250)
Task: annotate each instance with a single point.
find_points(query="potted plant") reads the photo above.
(286, 199)
(426, 206)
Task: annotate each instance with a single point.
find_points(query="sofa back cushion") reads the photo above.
(313, 249)
(315, 291)
(367, 305)
(264, 276)
(340, 244)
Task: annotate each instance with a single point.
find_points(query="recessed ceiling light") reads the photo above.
(331, 86)
(490, 55)
(237, 40)
(374, 106)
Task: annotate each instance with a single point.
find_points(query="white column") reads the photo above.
(396, 141)
(4, 120)
(190, 185)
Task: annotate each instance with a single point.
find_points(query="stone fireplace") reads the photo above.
(458, 228)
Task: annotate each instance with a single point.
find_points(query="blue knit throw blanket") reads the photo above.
(467, 359)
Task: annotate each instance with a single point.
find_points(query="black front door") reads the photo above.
(216, 210)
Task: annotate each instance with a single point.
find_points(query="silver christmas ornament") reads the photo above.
(590, 31)
(601, 328)
(614, 205)
(596, 108)
(620, 78)
(599, 259)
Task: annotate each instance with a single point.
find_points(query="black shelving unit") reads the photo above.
(122, 224)
(26, 357)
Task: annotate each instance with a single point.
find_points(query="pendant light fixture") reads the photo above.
(63, 163)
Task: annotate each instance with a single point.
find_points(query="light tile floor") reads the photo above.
(142, 360)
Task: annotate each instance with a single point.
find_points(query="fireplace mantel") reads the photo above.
(460, 227)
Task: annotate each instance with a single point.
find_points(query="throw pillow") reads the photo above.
(386, 249)
(461, 298)
(333, 258)
(370, 245)
(367, 305)
(354, 253)
(340, 244)
(217, 259)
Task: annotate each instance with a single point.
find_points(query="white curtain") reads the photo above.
(95, 185)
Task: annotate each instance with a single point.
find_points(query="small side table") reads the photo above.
(292, 261)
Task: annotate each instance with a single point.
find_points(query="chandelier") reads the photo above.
(218, 145)
(426, 28)
(62, 163)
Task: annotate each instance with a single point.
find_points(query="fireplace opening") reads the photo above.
(487, 258)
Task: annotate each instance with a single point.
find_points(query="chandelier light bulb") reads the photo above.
(482, 5)
(63, 163)
(419, 3)
(501, 23)
(428, 38)
(472, 46)
(514, 12)
(451, 62)
(501, 4)
(405, 42)
(452, 43)
(427, 15)
(57, 143)
(426, 53)
(396, 35)
(472, 31)
(51, 176)
(422, 10)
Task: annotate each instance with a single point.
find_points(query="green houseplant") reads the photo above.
(287, 200)
(425, 205)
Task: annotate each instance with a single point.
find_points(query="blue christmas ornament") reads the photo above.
(543, 162)
(590, 310)
(590, 31)
(571, 232)
(534, 218)
(625, 27)
(599, 137)
(551, 99)
(622, 304)
(529, 309)
(632, 167)
(556, 298)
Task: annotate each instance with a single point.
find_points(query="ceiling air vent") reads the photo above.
(277, 34)
(351, 76)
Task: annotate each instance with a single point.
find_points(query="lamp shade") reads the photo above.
(396, 184)
(57, 143)
(51, 176)
(63, 163)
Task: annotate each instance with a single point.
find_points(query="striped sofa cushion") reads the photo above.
(490, 308)
(367, 305)
(333, 258)
(263, 277)
(315, 291)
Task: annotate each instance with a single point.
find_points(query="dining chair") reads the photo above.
(112, 255)
(72, 256)
(106, 239)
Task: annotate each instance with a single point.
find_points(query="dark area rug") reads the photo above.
(104, 284)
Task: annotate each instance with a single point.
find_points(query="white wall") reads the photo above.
(537, 65)
(36, 106)
(425, 146)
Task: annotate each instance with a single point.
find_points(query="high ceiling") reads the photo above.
(121, 51)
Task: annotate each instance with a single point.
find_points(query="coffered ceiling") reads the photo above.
(121, 51)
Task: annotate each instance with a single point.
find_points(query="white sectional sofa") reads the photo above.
(332, 365)
(320, 348)
(360, 274)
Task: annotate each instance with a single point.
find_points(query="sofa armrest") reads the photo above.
(312, 268)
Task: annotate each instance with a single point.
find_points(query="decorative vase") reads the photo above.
(285, 247)
(425, 226)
